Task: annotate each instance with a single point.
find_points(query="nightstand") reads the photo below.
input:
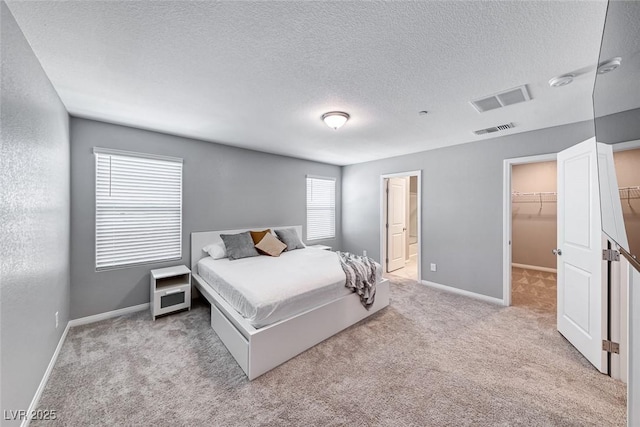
(170, 290)
(323, 247)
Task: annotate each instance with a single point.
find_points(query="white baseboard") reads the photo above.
(463, 292)
(534, 267)
(45, 378)
(71, 324)
(108, 315)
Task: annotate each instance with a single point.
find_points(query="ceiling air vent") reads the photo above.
(494, 129)
(502, 99)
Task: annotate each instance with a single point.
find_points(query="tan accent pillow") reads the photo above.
(258, 235)
(270, 245)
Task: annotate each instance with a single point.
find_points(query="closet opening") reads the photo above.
(400, 234)
(531, 243)
(534, 230)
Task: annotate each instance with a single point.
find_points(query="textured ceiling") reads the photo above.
(260, 75)
(620, 90)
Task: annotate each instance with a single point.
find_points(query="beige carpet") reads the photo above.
(429, 359)
(533, 289)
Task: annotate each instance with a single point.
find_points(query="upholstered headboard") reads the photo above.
(201, 239)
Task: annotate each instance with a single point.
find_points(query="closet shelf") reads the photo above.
(629, 193)
(626, 193)
(535, 197)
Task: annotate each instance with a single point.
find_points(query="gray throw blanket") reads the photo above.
(361, 276)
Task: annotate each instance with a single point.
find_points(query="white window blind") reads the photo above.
(138, 209)
(321, 208)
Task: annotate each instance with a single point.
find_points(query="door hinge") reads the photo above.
(610, 255)
(610, 347)
(387, 225)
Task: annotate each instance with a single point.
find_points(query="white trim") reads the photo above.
(328, 178)
(56, 353)
(100, 150)
(108, 315)
(624, 146)
(534, 267)
(417, 173)
(335, 206)
(506, 217)
(506, 202)
(462, 292)
(45, 377)
(165, 249)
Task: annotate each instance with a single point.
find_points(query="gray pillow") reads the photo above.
(239, 245)
(289, 237)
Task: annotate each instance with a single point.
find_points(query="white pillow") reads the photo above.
(216, 250)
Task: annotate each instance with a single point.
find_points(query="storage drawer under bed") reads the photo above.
(235, 342)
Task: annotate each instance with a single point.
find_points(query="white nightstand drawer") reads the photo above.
(170, 290)
(166, 300)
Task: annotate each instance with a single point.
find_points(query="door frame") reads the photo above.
(617, 367)
(383, 234)
(506, 207)
(506, 216)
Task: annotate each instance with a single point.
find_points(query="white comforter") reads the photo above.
(267, 289)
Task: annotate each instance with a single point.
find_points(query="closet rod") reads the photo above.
(537, 193)
(629, 189)
(626, 193)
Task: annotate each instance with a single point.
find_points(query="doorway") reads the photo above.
(614, 320)
(400, 228)
(508, 201)
(534, 225)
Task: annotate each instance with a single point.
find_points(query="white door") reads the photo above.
(396, 221)
(581, 292)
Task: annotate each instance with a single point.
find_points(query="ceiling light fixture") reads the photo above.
(610, 65)
(335, 119)
(423, 112)
(562, 80)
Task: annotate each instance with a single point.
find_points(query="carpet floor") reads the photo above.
(429, 359)
(536, 290)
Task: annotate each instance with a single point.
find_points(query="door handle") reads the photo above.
(557, 251)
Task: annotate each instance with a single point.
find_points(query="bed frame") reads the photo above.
(260, 350)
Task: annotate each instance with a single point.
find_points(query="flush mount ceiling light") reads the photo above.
(610, 65)
(562, 80)
(335, 119)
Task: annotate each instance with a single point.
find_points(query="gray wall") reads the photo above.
(619, 127)
(34, 219)
(223, 188)
(461, 204)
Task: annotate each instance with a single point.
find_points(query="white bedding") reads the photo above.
(266, 289)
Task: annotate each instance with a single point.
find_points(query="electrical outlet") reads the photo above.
(433, 267)
(57, 320)
(364, 252)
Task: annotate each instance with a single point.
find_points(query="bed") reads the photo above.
(274, 329)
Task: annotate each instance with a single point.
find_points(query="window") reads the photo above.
(321, 208)
(138, 208)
